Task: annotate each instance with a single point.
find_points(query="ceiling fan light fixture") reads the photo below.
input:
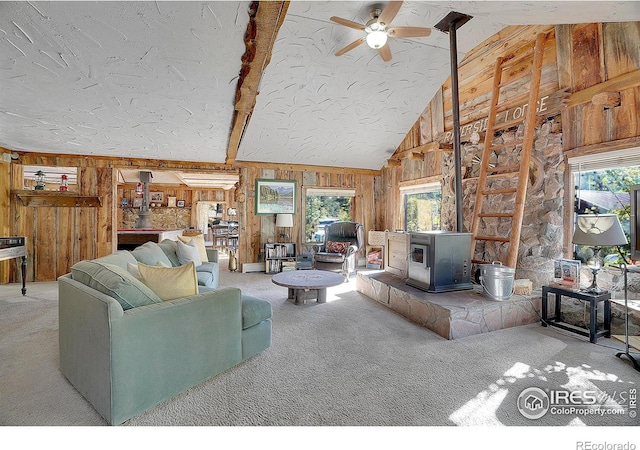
(377, 39)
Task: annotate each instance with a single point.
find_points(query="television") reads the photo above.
(634, 222)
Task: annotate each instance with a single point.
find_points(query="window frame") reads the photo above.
(421, 186)
(322, 192)
(613, 159)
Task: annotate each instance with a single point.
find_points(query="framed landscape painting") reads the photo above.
(276, 196)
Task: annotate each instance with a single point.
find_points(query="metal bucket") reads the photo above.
(497, 281)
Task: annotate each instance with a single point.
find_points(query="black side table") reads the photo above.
(593, 300)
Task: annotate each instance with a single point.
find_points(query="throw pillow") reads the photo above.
(187, 253)
(199, 240)
(170, 248)
(170, 282)
(150, 253)
(115, 282)
(337, 247)
(133, 270)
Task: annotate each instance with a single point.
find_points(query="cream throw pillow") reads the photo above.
(170, 283)
(187, 253)
(133, 269)
(199, 241)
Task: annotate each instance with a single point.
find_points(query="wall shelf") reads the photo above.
(57, 199)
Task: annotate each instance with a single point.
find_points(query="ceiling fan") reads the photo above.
(377, 30)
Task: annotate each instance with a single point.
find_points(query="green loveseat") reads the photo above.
(127, 359)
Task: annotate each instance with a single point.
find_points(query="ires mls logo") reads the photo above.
(533, 403)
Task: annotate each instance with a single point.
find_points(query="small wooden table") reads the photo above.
(301, 281)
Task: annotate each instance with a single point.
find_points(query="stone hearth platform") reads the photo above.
(454, 314)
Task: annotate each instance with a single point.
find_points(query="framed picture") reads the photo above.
(276, 196)
(137, 202)
(156, 197)
(180, 203)
(171, 202)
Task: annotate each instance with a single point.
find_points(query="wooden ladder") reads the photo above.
(517, 171)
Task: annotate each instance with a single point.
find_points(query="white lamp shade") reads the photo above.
(284, 220)
(376, 39)
(599, 230)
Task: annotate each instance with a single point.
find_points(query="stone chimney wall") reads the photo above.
(542, 228)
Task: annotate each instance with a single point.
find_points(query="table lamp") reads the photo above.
(597, 231)
(284, 221)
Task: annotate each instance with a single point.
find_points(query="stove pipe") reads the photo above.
(144, 221)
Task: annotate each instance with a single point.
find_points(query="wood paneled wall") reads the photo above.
(257, 230)
(5, 220)
(58, 237)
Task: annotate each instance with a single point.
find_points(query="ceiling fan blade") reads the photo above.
(389, 12)
(347, 23)
(385, 53)
(351, 46)
(406, 32)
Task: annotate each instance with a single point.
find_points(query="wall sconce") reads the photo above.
(284, 221)
(597, 231)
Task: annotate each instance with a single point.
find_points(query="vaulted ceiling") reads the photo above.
(159, 80)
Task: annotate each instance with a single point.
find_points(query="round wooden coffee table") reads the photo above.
(301, 281)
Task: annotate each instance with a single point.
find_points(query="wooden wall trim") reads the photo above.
(305, 168)
(616, 84)
(56, 159)
(418, 181)
(603, 147)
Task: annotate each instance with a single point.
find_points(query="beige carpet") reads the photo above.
(349, 362)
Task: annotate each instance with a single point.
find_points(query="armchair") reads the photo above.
(339, 252)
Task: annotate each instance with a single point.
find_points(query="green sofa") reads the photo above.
(127, 359)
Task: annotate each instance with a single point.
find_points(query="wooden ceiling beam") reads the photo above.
(265, 19)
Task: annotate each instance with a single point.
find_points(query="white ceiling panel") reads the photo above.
(131, 79)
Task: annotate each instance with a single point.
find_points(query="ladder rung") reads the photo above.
(492, 238)
(499, 191)
(513, 168)
(506, 144)
(505, 125)
(507, 63)
(495, 214)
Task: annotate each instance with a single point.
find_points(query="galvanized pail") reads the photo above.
(496, 281)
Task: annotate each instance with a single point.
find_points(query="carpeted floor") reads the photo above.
(349, 362)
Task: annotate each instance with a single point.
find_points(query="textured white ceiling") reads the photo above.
(157, 79)
(133, 79)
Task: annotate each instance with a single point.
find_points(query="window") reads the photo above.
(50, 178)
(323, 207)
(422, 206)
(601, 184)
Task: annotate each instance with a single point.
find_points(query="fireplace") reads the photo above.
(440, 261)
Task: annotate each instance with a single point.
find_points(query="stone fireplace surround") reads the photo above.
(458, 314)
(454, 314)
